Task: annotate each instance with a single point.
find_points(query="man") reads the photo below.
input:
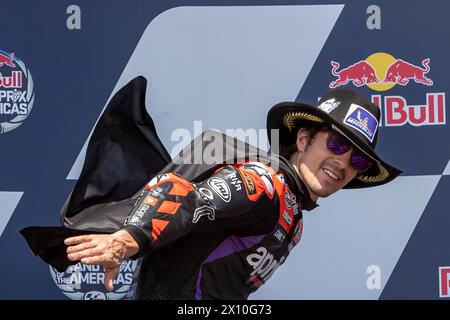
(222, 236)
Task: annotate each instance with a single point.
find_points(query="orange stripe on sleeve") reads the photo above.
(157, 227)
(179, 190)
(169, 207)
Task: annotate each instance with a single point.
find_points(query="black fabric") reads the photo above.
(125, 135)
(160, 277)
(123, 153)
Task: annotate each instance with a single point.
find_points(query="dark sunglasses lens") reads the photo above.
(337, 143)
(360, 162)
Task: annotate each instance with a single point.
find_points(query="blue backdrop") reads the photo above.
(225, 63)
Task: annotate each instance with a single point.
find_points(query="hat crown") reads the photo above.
(353, 112)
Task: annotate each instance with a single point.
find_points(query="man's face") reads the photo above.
(322, 171)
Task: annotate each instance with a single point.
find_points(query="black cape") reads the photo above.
(123, 154)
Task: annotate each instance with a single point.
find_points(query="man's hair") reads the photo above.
(288, 150)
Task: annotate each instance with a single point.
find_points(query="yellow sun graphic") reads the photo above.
(380, 61)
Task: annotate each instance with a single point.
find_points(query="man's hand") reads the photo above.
(106, 250)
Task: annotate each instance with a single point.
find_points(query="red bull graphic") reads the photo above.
(360, 73)
(381, 72)
(401, 72)
(7, 59)
(15, 81)
(16, 92)
(444, 282)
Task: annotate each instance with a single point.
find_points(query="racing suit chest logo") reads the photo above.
(219, 186)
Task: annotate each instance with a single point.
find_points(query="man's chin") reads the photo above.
(320, 189)
(323, 192)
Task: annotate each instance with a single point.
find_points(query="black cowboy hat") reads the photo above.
(348, 113)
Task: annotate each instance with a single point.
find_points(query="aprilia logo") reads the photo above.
(263, 263)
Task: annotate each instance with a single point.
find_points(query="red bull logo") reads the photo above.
(16, 92)
(381, 72)
(401, 72)
(360, 73)
(7, 59)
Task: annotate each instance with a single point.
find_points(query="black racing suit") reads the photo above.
(221, 238)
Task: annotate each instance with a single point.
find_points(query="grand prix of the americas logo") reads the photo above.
(381, 72)
(16, 92)
(85, 282)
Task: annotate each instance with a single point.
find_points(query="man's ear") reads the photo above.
(302, 139)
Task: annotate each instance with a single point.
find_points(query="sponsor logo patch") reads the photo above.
(264, 174)
(329, 105)
(362, 120)
(280, 235)
(219, 186)
(235, 181)
(205, 210)
(291, 202)
(287, 218)
(142, 210)
(156, 191)
(206, 194)
(297, 235)
(251, 189)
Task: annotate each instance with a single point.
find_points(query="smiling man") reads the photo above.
(324, 171)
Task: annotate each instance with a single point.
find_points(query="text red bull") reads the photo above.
(15, 81)
(397, 112)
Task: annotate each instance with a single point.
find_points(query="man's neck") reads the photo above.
(293, 161)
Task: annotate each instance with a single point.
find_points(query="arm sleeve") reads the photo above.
(170, 207)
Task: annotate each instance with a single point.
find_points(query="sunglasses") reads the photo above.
(338, 144)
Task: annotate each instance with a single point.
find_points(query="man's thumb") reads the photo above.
(110, 275)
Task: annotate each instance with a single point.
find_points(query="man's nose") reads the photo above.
(344, 159)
